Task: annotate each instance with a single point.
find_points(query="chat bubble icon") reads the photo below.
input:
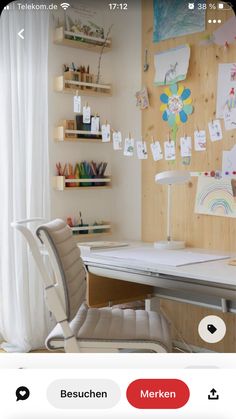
(22, 393)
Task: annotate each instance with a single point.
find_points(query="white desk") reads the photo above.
(210, 284)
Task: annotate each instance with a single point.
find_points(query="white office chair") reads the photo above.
(80, 328)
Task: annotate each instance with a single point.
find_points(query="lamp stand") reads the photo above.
(169, 244)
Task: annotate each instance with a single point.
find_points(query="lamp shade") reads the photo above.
(172, 177)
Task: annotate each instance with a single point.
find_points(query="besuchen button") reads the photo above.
(158, 393)
(83, 394)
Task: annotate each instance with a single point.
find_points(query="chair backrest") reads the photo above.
(68, 267)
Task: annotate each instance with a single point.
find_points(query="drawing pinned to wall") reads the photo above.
(117, 140)
(129, 147)
(156, 151)
(176, 106)
(226, 32)
(142, 98)
(229, 160)
(169, 147)
(226, 89)
(200, 140)
(215, 130)
(215, 197)
(230, 119)
(141, 150)
(173, 18)
(171, 66)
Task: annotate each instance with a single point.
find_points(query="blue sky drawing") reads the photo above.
(172, 18)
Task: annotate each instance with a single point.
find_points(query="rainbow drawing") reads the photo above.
(215, 197)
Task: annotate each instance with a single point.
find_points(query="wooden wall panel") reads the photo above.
(198, 230)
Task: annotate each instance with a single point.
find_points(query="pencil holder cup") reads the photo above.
(99, 183)
(85, 183)
(71, 184)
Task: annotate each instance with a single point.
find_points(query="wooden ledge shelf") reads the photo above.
(61, 134)
(81, 41)
(61, 183)
(83, 237)
(91, 230)
(64, 85)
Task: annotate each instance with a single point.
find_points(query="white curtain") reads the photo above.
(24, 173)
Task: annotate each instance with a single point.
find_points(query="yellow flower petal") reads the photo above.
(167, 91)
(187, 101)
(163, 107)
(177, 119)
(180, 90)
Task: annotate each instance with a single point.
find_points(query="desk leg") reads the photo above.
(152, 304)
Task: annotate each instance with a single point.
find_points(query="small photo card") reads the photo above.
(215, 130)
(77, 104)
(169, 147)
(185, 146)
(95, 124)
(156, 151)
(230, 119)
(142, 150)
(129, 147)
(106, 133)
(142, 98)
(117, 140)
(200, 140)
(86, 114)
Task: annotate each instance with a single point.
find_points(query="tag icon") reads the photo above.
(211, 328)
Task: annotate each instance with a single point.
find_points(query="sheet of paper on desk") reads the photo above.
(154, 256)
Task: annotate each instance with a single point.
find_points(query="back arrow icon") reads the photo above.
(20, 34)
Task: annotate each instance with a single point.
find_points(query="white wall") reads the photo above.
(122, 67)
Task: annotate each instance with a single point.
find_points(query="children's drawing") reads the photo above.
(106, 133)
(169, 147)
(129, 147)
(229, 160)
(176, 106)
(226, 89)
(215, 130)
(200, 140)
(185, 146)
(226, 32)
(142, 98)
(215, 197)
(230, 119)
(95, 124)
(86, 114)
(117, 140)
(141, 150)
(173, 18)
(156, 151)
(171, 66)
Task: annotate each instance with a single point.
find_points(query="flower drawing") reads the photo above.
(176, 104)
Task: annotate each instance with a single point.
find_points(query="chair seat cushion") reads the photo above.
(116, 324)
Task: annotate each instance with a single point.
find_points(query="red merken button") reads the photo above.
(158, 394)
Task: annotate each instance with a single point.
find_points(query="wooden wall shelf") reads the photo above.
(81, 41)
(61, 134)
(60, 183)
(64, 85)
(92, 230)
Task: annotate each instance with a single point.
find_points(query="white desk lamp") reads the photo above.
(169, 178)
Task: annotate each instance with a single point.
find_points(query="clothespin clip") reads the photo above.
(169, 137)
(152, 138)
(106, 122)
(226, 45)
(77, 93)
(129, 136)
(197, 129)
(86, 105)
